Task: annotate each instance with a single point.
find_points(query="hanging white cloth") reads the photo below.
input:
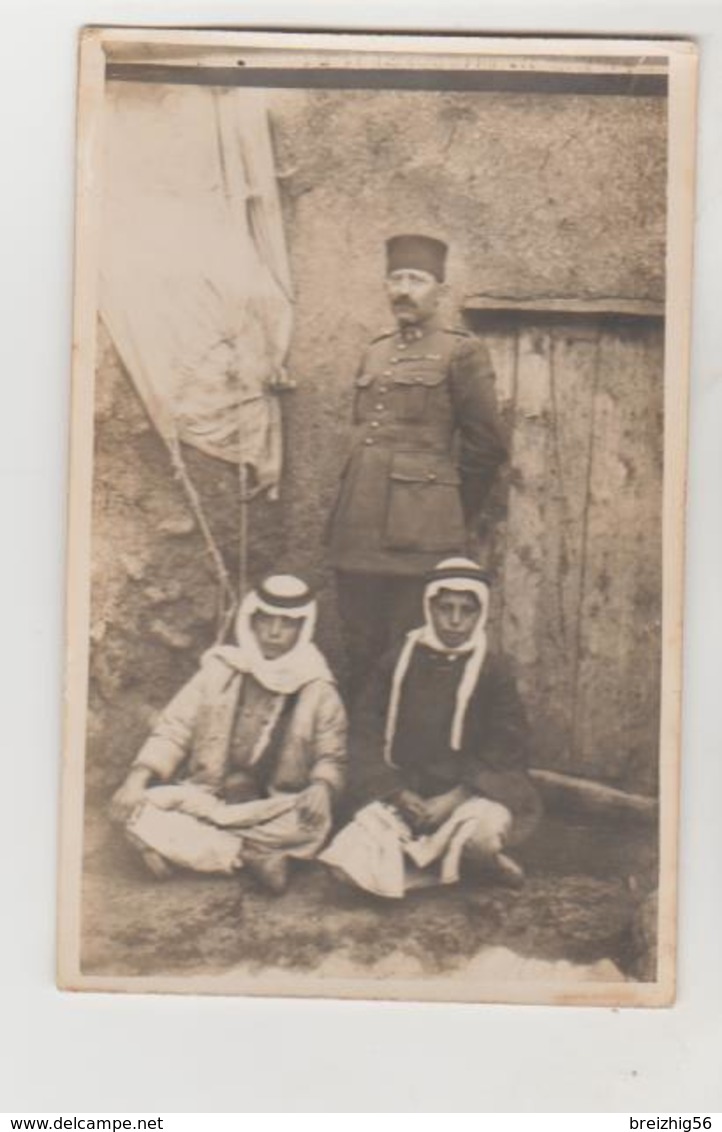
(194, 279)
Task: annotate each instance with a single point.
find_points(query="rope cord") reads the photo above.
(227, 599)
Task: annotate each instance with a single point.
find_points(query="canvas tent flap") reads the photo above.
(194, 281)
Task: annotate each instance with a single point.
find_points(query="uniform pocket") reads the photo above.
(424, 505)
(410, 389)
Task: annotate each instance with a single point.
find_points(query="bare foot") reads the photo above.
(157, 865)
(503, 870)
(269, 869)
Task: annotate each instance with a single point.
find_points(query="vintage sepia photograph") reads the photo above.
(376, 526)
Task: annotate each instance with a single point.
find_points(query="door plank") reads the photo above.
(617, 696)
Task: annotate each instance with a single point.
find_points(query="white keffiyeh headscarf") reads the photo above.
(285, 595)
(463, 576)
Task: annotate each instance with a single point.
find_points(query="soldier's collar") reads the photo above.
(414, 333)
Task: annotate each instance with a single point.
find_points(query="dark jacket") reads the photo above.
(425, 447)
(495, 749)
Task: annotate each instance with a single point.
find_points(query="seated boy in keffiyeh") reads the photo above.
(444, 716)
(246, 762)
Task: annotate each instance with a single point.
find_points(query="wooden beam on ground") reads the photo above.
(589, 797)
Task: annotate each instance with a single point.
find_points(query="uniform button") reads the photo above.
(402, 345)
(374, 424)
(380, 407)
(431, 476)
(387, 373)
(383, 388)
(369, 440)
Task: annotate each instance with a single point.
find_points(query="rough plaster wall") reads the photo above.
(154, 588)
(537, 195)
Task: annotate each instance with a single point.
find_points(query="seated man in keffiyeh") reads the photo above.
(246, 762)
(452, 790)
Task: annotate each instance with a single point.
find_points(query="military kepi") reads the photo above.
(416, 253)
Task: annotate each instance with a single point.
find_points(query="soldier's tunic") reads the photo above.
(425, 447)
(405, 494)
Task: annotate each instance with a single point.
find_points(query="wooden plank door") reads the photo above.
(577, 545)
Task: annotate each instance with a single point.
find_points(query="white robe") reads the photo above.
(379, 853)
(189, 826)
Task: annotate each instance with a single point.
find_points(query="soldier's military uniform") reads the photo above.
(425, 447)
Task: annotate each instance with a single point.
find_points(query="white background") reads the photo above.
(88, 1053)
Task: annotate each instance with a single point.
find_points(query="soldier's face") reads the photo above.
(455, 615)
(275, 633)
(413, 295)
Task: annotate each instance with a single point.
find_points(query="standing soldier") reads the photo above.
(426, 444)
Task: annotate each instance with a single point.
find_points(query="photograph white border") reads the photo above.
(97, 43)
(139, 1053)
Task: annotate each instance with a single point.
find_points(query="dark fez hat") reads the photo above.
(416, 253)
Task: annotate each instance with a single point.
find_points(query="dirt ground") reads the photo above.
(587, 898)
